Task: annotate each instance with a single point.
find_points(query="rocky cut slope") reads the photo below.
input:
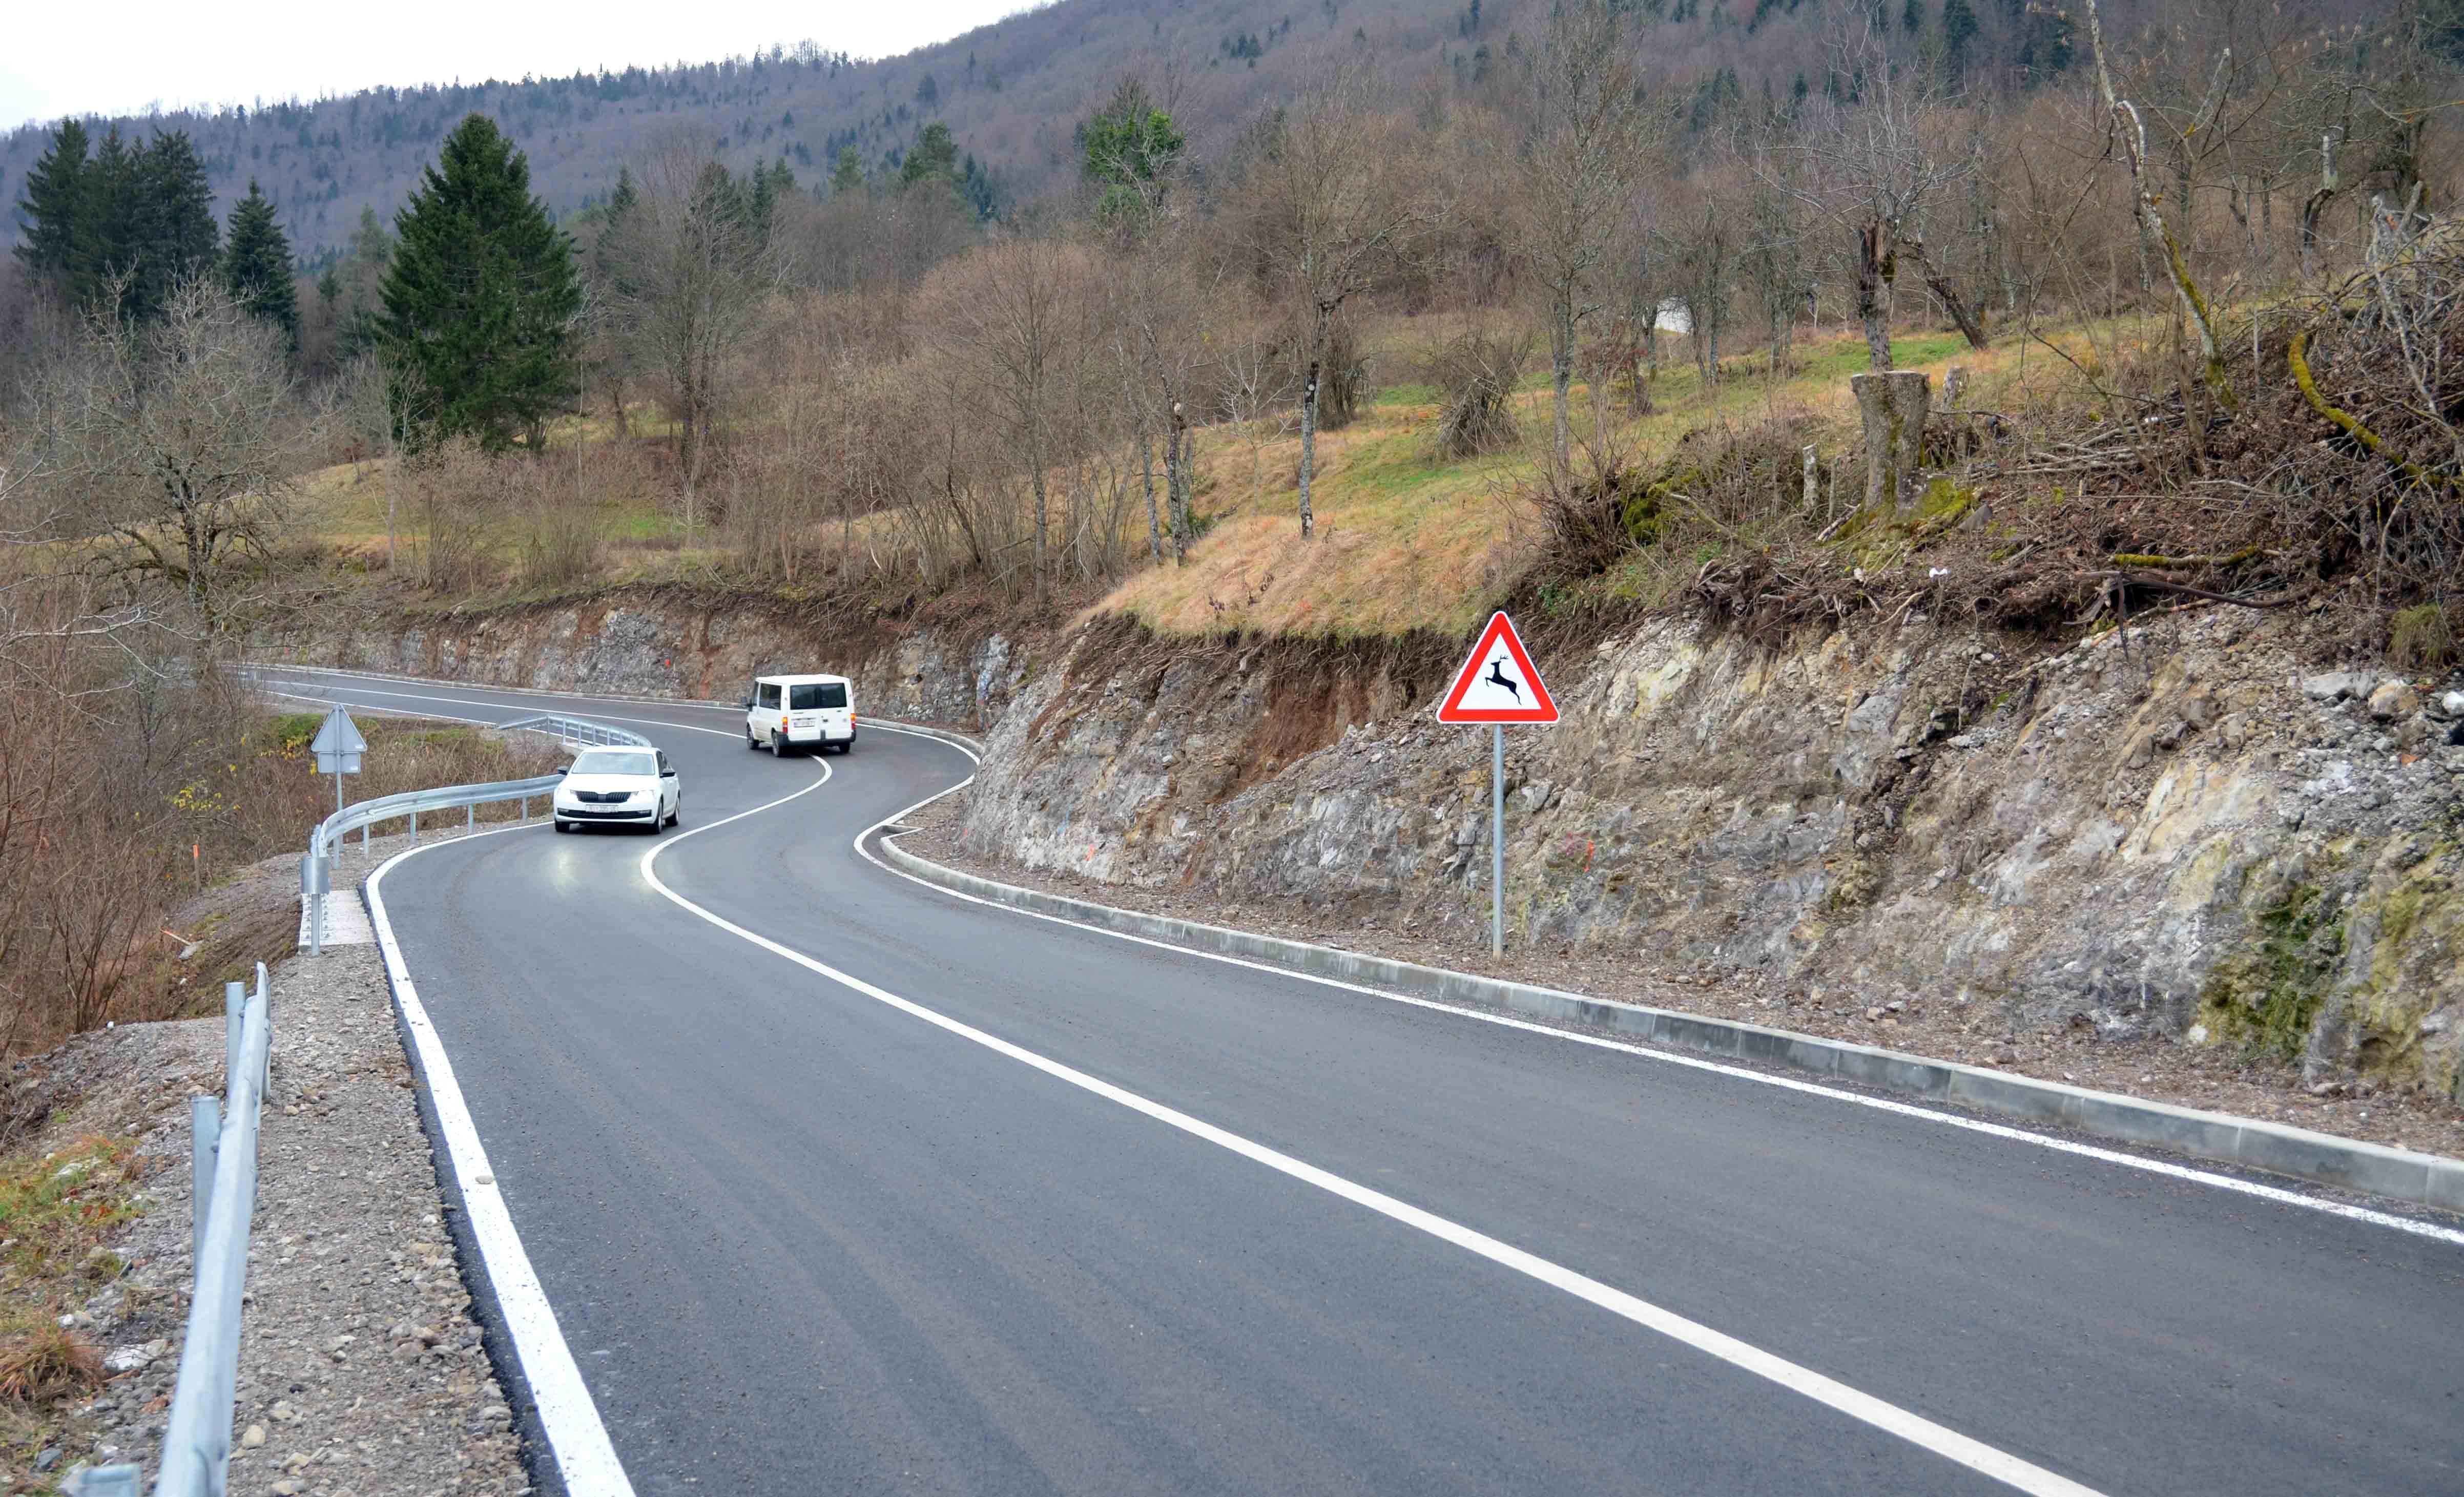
(2179, 835)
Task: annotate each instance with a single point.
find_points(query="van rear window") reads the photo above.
(816, 697)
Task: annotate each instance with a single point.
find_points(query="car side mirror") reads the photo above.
(746, 704)
(668, 773)
(563, 768)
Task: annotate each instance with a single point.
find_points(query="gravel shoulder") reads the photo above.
(363, 1368)
(2214, 1077)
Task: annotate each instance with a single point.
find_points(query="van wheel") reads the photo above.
(778, 745)
(750, 742)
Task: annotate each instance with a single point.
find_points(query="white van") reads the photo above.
(787, 713)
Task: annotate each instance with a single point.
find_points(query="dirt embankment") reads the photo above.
(363, 1367)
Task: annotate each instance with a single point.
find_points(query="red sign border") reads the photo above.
(1542, 710)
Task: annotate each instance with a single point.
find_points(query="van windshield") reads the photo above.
(613, 761)
(818, 697)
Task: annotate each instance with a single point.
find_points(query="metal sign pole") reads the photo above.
(1485, 693)
(1497, 840)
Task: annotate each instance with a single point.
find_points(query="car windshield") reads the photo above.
(809, 698)
(613, 761)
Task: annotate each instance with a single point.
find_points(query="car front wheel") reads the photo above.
(564, 825)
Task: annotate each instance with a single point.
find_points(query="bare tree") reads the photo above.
(1017, 315)
(689, 264)
(2146, 200)
(1875, 170)
(1591, 140)
(183, 437)
(1251, 394)
(1336, 208)
(379, 399)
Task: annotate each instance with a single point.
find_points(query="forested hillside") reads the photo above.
(1013, 93)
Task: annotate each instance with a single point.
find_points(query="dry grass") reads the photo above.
(1406, 540)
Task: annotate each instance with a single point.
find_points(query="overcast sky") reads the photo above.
(67, 59)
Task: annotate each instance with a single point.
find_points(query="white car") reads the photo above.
(787, 713)
(624, 786)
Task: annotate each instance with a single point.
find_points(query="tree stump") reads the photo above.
(1894, 405)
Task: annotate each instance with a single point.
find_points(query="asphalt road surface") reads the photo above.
(1056, 1226)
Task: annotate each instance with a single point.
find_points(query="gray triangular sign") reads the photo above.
(338, 745)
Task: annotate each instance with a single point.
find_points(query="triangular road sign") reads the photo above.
(338, 745)
(1497, 683)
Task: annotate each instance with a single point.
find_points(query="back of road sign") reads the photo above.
(1497, 683)
(338, 745)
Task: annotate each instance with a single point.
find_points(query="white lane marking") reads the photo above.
(1889, 1418)
(465, 701)
(2086, 1151)
(575, 1435)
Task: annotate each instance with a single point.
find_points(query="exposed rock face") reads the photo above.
(2180, 841)
(2194, 840)
(648, 645)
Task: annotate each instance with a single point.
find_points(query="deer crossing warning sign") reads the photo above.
(1497, 682)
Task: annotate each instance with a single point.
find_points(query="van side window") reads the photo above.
(766, 694)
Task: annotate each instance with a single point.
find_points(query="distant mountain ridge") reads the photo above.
(1012, 91)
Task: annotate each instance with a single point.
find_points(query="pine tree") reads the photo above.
(256, 264)
(481, 299)
(846, 172)
(55, 206)
(935, 155)
(112, 228)
(176, 236)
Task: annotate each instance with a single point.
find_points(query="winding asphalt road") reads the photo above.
(801, 1239)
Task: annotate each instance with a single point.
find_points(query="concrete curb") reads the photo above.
(2398, 1173)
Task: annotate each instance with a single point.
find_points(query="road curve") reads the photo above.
(802, 1240)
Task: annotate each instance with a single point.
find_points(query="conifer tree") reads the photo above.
(933, 157)
(846, 172)
(55, 206)
(256, 264)
(178, 236)
(481, 300)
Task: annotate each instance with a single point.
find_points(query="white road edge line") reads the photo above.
(2086, 1151)
(575, 1435)
(1889, 1418)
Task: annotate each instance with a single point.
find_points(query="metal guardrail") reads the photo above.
(315, 869)
(222, 1149)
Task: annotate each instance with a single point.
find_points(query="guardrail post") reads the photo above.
(106, 1481)
(205, 1146)
(265, 1062)
(234, 1000)
(316, 880)
(414, 825)
(471, 817)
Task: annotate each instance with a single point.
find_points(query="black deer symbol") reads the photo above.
(1497, 676)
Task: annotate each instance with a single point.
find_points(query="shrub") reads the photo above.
(2421, 638)
(1475, 375)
